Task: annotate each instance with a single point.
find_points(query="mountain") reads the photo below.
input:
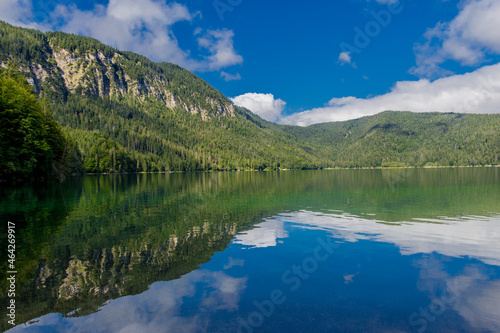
(59, 65)
(129, 114)
(121, 112)
(399, 139)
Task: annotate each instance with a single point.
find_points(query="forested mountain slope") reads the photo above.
(406, 139)
(129, 114)
(125, 113)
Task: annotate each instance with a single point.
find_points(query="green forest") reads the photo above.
(407, 139)
(72, 105)
(32, 143)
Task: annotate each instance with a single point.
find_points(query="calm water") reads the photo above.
(310, 251)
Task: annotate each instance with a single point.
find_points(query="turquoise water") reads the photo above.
(413, 250)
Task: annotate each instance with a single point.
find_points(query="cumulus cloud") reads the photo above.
(468, 38)
(141, 26)
(476, 92)
(17, 12)
(220, 45)
(263, 105)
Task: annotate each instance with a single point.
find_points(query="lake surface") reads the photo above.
(413, 250)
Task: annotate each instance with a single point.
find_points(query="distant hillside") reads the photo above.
(126, 113)
(406, 139)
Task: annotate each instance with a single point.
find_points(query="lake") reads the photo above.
(397, 250)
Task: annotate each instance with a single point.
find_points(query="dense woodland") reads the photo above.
(406, 139)
(95, 109)
(32, 143)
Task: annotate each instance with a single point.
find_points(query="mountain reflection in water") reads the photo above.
(414, 251)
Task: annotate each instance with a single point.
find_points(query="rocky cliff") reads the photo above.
(63, 64)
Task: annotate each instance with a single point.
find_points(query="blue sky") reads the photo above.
(301, 63)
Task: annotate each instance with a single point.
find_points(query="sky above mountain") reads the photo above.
(300, 62)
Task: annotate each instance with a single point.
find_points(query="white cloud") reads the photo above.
(230, 77)
(345, 58)
(263, 105)
(17, 12)
(468, 38)
(220, 45)
(141, 26)
(476, 92)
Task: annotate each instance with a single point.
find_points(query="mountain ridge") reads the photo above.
(72, 64)
(128, 114)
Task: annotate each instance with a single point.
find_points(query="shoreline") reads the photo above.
(19, 182)
(319, 169)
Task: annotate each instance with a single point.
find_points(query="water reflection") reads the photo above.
(264, 234)
(381, 277)
(166, 307)
(203, 252)
(473, 293)
(476, 237)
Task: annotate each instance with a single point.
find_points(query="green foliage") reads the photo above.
(398, 139)
(117, 136)
(124, 113)
(32, 144)
(23, 45)
(78, 45)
